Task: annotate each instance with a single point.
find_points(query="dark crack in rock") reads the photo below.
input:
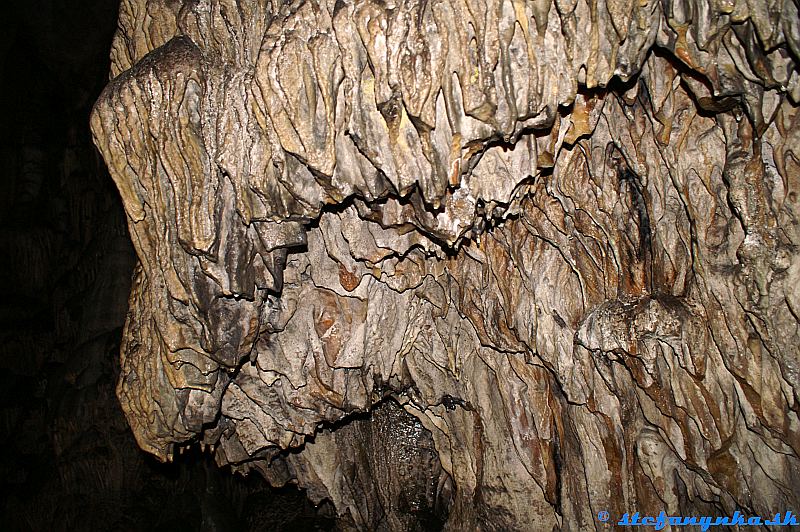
(562, 235)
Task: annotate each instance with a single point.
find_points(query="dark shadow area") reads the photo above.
(391, 466)
(70, 461)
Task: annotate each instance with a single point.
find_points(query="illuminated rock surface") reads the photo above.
(563, 237)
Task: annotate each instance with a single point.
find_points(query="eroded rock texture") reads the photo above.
(562, 235)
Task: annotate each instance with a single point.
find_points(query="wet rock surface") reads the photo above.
(385, 471)
(562, 236)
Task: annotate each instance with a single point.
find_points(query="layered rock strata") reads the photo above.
(562, 235)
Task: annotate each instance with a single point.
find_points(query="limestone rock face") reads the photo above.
(489, 264)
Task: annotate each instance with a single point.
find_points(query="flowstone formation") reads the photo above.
(498, 265)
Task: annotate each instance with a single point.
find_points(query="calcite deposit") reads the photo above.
(475, 264)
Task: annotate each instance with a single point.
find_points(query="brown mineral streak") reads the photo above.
(521, 246)
(347, 279)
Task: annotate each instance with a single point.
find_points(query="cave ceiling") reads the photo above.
(561, 238)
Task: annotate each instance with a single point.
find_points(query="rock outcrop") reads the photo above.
(563, 236)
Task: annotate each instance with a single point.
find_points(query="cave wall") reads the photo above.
(563, 236)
